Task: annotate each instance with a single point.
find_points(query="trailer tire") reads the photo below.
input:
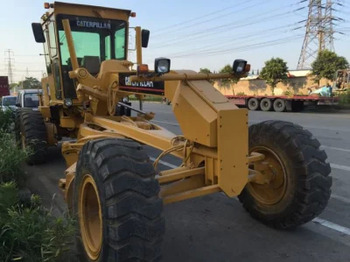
(279, 105)
(266, 104)
(117, 204)
(297, 106)
(299, 188)
(253, 104)
(31, 134)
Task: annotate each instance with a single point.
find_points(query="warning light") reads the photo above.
(133, 14)
(48, 5)
(142, 69)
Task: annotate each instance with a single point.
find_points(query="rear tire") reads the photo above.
(30, 133)
(253, 104)
(279, 105)
(266, 104)
(117, 203)
(299, 189)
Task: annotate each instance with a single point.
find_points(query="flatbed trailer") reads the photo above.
(281, 103)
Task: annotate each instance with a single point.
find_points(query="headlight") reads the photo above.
(162, 65)
(239, 66)
(68, 102)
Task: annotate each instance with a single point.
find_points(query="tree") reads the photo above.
(227, 81)
(206, 71)
(274, 71)
(13, 85)
(326, 65)
(30, 83)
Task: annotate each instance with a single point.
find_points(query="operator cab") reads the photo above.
(98, 35)
(95, 40)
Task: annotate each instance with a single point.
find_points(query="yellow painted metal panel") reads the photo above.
(233, 150)
(93, 11)
(197, 119)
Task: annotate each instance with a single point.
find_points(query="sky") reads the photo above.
(193, 34)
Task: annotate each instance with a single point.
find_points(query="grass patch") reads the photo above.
(11, 159)
(344, 98)
(28, 232)
(6, 120)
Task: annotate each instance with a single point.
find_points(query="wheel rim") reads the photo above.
(90, 217)
(279, 104)
(265, 105)
(274, 191)
(253, 104)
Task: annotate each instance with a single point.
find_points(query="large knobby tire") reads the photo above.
(279, 105)
(266, 104)
(300, 184)
(117, 204)
(31, 134)
(253, 104)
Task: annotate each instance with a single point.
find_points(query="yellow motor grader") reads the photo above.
(276, 168)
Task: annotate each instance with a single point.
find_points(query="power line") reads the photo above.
(184, 24)
(244, 47)
(242, 38)
(225, 28)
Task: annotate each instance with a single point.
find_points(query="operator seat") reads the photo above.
(91, 64)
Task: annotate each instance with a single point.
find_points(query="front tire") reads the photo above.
(299, 185)
(116, 200)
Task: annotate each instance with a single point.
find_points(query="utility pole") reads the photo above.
(9, 62)
(319, 32)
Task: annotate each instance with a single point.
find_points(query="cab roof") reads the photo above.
(90, 10)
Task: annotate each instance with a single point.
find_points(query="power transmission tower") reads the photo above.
(319, 32)
(328, 32)
(9, 61)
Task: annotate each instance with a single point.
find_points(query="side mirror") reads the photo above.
(38, 33)
(145, 37)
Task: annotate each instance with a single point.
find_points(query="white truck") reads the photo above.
(28, 98)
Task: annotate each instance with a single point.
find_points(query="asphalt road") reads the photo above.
(216, 228)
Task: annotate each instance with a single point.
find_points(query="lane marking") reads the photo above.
(258, 121)
(331, 225)
(336, 148)
(340, 198)
(165, 122)
(341, 167)
(317, 220)
(163, 163)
